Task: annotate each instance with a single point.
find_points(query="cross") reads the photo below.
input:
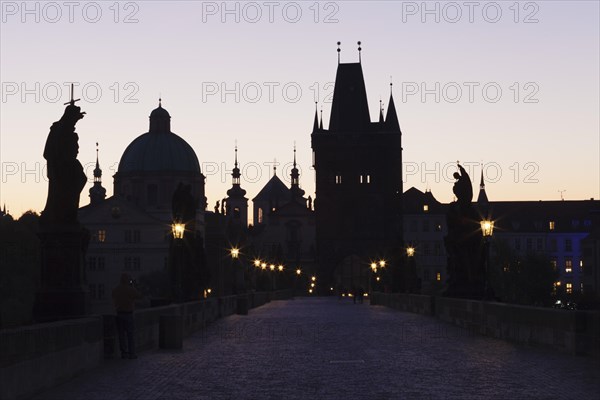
(72, 102)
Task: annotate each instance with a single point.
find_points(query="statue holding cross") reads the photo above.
(65, 173)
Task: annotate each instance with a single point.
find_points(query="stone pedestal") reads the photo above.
(62, 293)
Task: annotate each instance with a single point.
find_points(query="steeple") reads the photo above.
(321, 123)
(237, 204)
(381, 112)
(391, 119)
(97, 192)
(297, 192)
(316, 121)
(482, 198)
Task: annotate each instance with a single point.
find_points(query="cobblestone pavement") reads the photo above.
(324, 348)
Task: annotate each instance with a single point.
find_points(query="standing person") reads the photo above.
(124, 297)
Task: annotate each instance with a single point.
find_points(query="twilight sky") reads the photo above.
(512, 85)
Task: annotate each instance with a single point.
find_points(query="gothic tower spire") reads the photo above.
(97, 192)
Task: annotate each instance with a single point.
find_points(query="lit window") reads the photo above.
(553, 263)
(101, 235)
(581, 287)
(368, 178)
(438, 276)
(551, 225)
(568, 265)
(338, 179)
(425, 207)
(580, 265)
(569, 288)
(260, 215)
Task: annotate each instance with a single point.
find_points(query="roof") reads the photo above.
(274, 190)
(349, 109)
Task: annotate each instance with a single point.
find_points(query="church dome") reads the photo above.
(159, 150)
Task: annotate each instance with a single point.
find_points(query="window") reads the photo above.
(553, 246)
(568, 245)
(260, 215)
(587, 222)
(580, 265)
(438, 276)
(136, 236)
(581, 287)
(101, 263)
(529, 244)
(551, 225)
(568, 265)
(574, 223)
(425, 207)
(236, 212)
(127, 264)
(539, 245)
(438, 227)
(554, 264)
(426, 250)
(91, 263)
(437, 249)
(338, 179)
(101, 236)
(365, 179)
(425, 225)
(426, 275)
(127, 236)
(569, 288)
(517, 243)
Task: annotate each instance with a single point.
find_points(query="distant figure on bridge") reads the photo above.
(124, 297)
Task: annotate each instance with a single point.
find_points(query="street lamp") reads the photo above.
(382, 263)
(257, 263)
(178, 229)
(410, 251)
(280, 268)
(235, 252)
(298, 271)
(487, 230)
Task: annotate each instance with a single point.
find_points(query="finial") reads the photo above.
(236, 162)
(294, 154)
(159, 102)
(275, 167)
(338, 51)
(391, 84)
(359, 50)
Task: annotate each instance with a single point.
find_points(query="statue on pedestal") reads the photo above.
(65, 173)
(464, 242)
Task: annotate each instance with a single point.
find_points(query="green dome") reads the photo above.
(159, 150)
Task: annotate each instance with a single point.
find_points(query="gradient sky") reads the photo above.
(544, 140)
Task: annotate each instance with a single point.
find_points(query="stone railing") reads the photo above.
(37, 357)
(574, 332)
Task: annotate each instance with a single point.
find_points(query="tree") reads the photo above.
(527, 279)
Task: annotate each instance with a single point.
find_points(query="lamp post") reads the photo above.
(487, 230)
(178, 230)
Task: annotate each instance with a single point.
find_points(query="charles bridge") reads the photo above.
(399, 347)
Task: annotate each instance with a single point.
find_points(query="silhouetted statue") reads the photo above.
(309, 203)
(217, 206)
(65, 173)
(463, 189)
(464, 243)
(223, 206)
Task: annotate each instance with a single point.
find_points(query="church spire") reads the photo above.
(97, 192)
(381, 112)
(316, 121)
(321, 122)
(297, 193)
(391, 119)
(482, 198)
(236, 191)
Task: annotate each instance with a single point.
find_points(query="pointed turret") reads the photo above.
(97, 192)
(380, 112)
(296, 191)
(391, 119)
(321, 122)
(482, 199)
(237, 204)
(316, 121)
